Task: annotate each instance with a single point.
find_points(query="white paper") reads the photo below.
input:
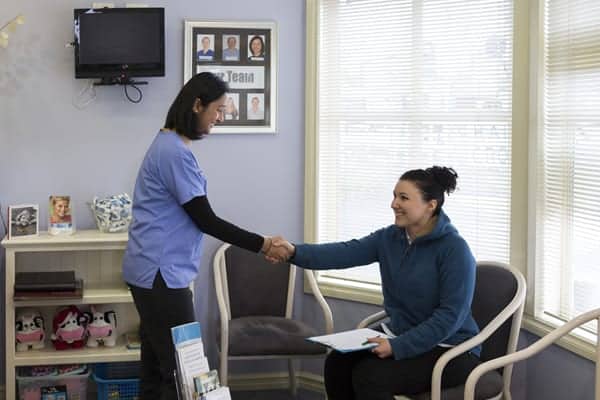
(221, 393)
(347, 341)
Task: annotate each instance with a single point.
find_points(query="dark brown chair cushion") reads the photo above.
(263, 335)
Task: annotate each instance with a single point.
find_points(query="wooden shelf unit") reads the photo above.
(96, 258)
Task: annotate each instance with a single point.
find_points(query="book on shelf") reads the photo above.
(77, 293)
(45, 280)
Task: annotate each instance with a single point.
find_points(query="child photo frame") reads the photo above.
(244, 55)
(23, 220)
(60, 218)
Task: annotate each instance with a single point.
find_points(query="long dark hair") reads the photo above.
(433, 182)
(262, 46)
(206, 87)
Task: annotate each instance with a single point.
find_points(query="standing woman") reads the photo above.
(171, 214)
(427, 278)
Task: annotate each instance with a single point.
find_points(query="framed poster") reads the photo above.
(243, 54)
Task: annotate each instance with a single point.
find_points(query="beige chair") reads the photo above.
(255, 301)
(474, 382)
(497, 308)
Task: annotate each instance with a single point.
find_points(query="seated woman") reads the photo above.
(427, 278)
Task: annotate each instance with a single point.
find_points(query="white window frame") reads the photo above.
(527, 80)
(577, 342)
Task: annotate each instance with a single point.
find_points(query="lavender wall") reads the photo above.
(49, 146)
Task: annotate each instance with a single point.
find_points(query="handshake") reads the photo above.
(276, 249)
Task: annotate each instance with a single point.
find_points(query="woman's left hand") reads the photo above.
(383, 349)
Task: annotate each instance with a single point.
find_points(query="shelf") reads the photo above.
(96, 258)
(49, 356)
(87, 239)
(91, 295)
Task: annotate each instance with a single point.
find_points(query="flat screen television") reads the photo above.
(116, 44)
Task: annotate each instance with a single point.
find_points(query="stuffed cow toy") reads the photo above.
(102, 326)
(69, 329)
(29, 330)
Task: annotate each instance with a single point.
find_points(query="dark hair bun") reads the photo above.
(444, 176)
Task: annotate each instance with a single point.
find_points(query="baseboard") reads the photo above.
(276, 380)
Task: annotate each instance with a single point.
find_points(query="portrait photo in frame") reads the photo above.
(23, 220)
(60, 217)
(243, 54)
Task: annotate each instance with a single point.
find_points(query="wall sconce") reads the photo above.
(10, 27)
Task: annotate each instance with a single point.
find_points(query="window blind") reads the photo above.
(411, 84)
(568, 163)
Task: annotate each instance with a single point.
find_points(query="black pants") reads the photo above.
(362, 375)
(160, 308)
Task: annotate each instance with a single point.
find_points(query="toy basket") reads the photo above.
(117, 381)
(30, 386)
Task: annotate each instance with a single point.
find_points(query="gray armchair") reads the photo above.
(255, 301)
(497, 308)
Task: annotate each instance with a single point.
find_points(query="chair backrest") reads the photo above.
(495, 287)
(253, 286)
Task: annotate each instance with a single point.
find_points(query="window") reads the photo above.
(567, 272)
(410, 84)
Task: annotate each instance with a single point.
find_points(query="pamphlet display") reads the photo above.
(195, 379)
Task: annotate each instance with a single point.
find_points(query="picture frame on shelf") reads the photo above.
(60, 217)
(244, 55)
(23, 220)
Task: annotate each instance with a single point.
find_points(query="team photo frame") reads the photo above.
(243, 54)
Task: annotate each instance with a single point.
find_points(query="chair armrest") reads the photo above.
(533, 349)
(371, 319)
(312, 282)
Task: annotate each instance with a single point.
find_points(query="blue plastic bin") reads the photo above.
(117, 381)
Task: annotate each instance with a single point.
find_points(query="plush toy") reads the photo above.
(29, 330)
(69, 329)
(102, 326)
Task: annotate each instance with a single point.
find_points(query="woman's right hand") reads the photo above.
(280, 250)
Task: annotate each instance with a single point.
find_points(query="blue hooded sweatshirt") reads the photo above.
(427, 284)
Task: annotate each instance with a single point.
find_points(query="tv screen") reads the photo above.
(119, 42)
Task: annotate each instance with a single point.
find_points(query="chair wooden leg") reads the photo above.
(293, 380)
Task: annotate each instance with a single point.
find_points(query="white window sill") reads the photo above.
(343, 289)
(371, 294)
